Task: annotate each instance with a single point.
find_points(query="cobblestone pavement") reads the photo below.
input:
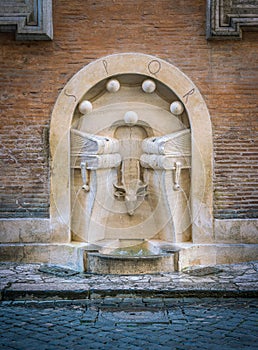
(34, 280)
(130, 323)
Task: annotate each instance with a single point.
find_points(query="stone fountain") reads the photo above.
(131, 164)
(137, 191)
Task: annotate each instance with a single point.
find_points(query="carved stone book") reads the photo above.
(84, 143)
(155, 161)
(94, 162)
(178, 143)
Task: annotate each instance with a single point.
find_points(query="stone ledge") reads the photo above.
(71, 255)
(26, 282)
(229, 231)
(73, 294)
(68, 255)
(213, 254)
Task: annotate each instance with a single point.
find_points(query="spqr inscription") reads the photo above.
(70, 95)
(105, 64)
(188, 94)
(154, 67)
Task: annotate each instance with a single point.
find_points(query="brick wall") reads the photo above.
(32, 75)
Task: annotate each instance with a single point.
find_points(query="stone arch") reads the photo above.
(201, 131)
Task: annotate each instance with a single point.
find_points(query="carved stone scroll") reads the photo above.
(30, 19)
(227, 18)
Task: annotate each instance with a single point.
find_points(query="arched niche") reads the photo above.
(64, 115)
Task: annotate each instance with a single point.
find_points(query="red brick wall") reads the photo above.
(32, 75)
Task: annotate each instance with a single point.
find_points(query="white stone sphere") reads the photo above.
(113, 85)
(131, 117)
(176, 108)
(85, 107)
(149, 86)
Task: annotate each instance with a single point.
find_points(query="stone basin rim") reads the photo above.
(130, 257)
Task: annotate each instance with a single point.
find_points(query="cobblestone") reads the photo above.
(166, 311)
(203, 323)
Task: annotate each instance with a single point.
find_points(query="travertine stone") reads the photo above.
(106, 110)
(196, 255)
(177, 144)
(213, 254)
(139, 197)
(98, 263)
(70, 255)
(228, 254)
(25, 230)
(236, 231)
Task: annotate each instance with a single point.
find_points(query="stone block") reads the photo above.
(233, 253)
(67, 255)
(236, 231)
(24, 231)
(36, 253)
(111, 264)
(11, 252)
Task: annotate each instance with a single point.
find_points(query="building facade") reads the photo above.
(44, 44)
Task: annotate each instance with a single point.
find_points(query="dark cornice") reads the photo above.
(227, 18)
(29, 19)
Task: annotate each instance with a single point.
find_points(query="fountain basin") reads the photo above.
(131, 257)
